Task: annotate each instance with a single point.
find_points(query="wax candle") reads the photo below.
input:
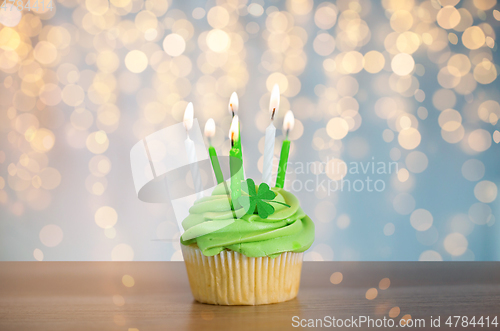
(288, 124)
(209, 133)
(270, 137)
(191, 151)
(233, 107)
(235, 163)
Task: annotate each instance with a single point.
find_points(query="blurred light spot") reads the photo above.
(336, 169)
(106, 217)
(118, 300)
(459, 64)
(388, 135)
(485, 191)
(485, 72)
(402, 64)
(453, 137)
(110, 233)
(336, 278)
(394, 312)
(136, 61)
(277, 78)
(255, 9)
(97, 142)
(38, 254)
(107, 61)
(473, 37)
(45, 52)
(174, 44)
(198, 13)
(416, 162)
(99, 165)
(324, 44)
(496, 15)
(50, 94)
(461, 223)
(484, 4)
(97, 7)
(448, 17)
(389, 229)
(10, 16)
(128, 280)
(421, 219)
(218, 17)
(325, 16)
(119, 319)
(337, 128)
(496, 136)
(401, 21)
(343, 221)
(450, 120)
(373, 62)
(444, 99)
(455, 243)
(409, 138)
(51, 235)
(404, 320)
(371, 293)
(252, 27)
(480, 213)
(479, 140)
(384, 284)
(218, 40)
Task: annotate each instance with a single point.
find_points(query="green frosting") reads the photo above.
(215, 227)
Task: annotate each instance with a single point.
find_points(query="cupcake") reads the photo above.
(247, 252)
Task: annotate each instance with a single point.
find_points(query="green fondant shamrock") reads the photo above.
(258, 202)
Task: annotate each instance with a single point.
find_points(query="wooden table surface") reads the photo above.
(156, 295)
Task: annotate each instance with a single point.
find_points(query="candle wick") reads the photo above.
(272, 114)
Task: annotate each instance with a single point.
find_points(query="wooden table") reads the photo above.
(156, 296)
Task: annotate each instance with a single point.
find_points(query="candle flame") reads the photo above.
(288, 122)
(233, 131)
(274, 103)
(233, 103)
(210, 128)
(188, 116)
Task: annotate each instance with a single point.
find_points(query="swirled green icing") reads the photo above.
(215, 227)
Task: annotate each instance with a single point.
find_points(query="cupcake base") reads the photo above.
(231, 278)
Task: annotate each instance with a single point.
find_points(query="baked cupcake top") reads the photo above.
(267, 224)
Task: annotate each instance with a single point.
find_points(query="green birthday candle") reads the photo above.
(209, 133)
(235, 164)
(233, 109)
(288, 123)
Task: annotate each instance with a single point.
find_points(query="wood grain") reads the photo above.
(89, 295)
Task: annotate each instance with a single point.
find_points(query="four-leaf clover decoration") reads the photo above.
(258, 202)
